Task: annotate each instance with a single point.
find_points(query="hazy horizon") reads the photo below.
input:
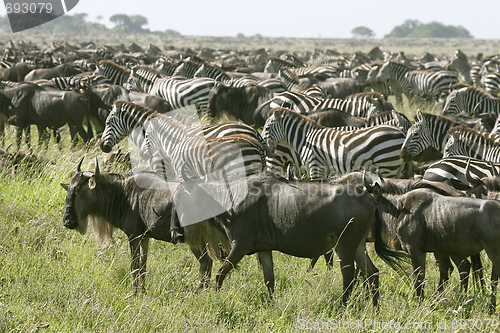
(292, 18)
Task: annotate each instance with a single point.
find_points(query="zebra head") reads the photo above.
(452, 147)
(417, 139)
(273, 131)
(453, 104)
(114, 130)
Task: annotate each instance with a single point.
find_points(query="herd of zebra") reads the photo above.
(313, 117)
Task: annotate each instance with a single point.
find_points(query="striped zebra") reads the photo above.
(301, 103)
(177, 91)
(292, 83)
(451, 170)
(465, 141)
(421, 84)
(471, 100)
(274, 64)
(129, 119)
(77, 82)
(166, 66)
(492, 83)
(460, 64)
(116, 73)
(377, 86)
(429, 130)
(187, 69)
(326, 152)
(185, 151)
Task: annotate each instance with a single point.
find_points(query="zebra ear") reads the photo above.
(419, 117)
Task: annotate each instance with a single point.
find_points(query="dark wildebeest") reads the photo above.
(336, 118)
(26, 104)
(17, 72)
(400, 187)
(340, 87)
(50, 73)
(302, 219)
(102, 97)
(247, 104)
(425, 221)
(141, 206)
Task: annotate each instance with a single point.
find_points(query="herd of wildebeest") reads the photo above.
(298, 152)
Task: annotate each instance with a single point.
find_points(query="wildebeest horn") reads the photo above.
(369, 187)
(493, 170)
(79, 165)
(96, 172)
(468, 176)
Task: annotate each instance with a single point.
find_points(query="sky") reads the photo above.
(294, 18)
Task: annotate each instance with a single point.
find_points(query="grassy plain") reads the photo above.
(55, 280)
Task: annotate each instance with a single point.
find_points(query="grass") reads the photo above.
(56, 280)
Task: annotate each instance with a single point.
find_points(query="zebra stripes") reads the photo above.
(326, 152)
(114, 72)
(460, 63)
(492, 83)
(429, 130)
(177, 91)
(471, 100)
(233, 156)
(452, 169)
(364, 106)
(129, 119)
(78, 82)
(465, 141)
(422, 84)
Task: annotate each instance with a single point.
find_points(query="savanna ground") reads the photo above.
(56, 280)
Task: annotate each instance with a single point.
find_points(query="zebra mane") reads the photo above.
(470, 137)
(295, 115)
(282, 62)
(400, 65)
(136, 109)
(111, 64)
(475, 91)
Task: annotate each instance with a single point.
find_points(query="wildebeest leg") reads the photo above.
(266, 260)
(43, 136)
(74, 138)
(84, 135)
(463, 267)
(346, 256)
(445, 268)
(139, 250)
(494, 284)
(234, 257)
(418, 264)
(205, 265)
(368, 269)
(477, 270)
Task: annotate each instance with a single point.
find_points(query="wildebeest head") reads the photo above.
(79, 198)
(221, 99)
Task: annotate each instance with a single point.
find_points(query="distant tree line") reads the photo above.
(78, 23)
(416, 29)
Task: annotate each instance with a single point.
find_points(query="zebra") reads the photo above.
(451, 170)
(129, 119)
(471, 100)
(460, 63)
(233, 156)
(492, 83)
(274, 64)
(465, 141)
(393, 118)
(188, 69)
(415, 83)
(326, 152)
(429, 130)
(78, 81)
(301, 103)
(116, 73)
(291, 81)
(177, 91)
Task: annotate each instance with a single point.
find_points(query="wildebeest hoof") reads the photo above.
(176, 237)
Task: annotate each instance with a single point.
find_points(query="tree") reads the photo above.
(363, 32)
(404, 29)
(132, 23)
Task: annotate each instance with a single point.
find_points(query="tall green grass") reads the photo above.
(56, 280)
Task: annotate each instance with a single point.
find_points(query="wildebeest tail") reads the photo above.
(395, 259)
(210, 235)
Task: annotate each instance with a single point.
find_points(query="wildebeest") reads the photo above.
(17, 72)
(240, 103)
(302, 219)
(424, 221)
(26, 104)
(138, 204)
(49, 73)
